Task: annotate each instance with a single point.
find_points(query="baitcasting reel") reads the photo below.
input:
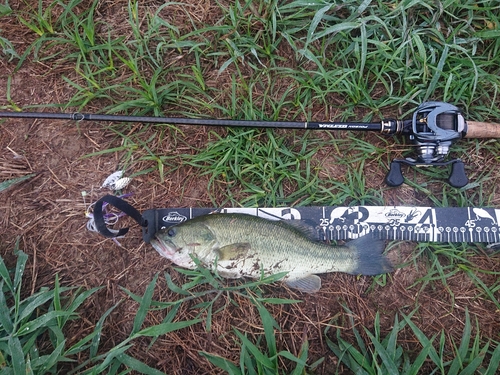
(434, 127)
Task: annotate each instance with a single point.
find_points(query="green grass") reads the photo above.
(359, 56)
(385, 355)
(406, 53)
(6, 47)
(4, 185)
(253, 360)
(276, 60)
(33, 329)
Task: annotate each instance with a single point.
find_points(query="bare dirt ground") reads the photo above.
(47, 215)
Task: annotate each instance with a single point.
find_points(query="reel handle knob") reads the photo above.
(458, 178)
(394, 177)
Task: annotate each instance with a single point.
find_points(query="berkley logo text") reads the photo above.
(395, 214)
(174, 217)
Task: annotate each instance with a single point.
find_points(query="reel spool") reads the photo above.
(435, 126)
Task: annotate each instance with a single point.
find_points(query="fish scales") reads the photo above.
(242, 245)
(279, 246)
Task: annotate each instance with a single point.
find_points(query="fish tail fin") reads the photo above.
(370, 255)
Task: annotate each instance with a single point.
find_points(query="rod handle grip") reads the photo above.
(476, 129)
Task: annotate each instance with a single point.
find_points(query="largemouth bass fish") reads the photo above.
(241, 245)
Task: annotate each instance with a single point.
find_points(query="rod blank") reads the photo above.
(357, 126)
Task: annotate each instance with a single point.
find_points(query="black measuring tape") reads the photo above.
(406, 223)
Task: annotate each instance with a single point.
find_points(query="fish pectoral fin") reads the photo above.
(234, 251)
(307, 284)
(304, 228)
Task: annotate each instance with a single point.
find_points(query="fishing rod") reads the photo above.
(433, 128)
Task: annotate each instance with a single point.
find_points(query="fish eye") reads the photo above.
(171, 232)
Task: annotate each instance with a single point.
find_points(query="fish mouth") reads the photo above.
(163, 248)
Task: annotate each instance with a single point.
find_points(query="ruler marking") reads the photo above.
(433, 224)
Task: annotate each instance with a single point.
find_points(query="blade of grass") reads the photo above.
(96, 334)
(222, 363)
(164, 328)
(5, 319)
(260, 358)
(145, 305)
(17, 355)
(137, 365)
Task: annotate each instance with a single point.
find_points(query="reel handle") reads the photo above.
(458, 178)
(476, 129)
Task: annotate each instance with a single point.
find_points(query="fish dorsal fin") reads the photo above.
(307, 284)
(304, 228)
(233, 251)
